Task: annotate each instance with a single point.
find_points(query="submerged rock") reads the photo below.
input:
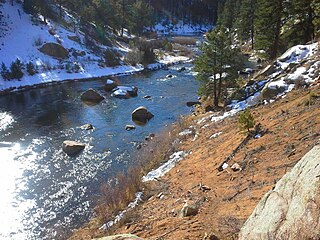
(91, 95)
(72, 148)
(141, 114)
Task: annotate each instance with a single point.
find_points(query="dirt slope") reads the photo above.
(293, 128)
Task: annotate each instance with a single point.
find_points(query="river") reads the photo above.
(44, 193)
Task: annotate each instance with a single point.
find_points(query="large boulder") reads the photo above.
(91, 95)
(110, 85)
(72, 148)
(125, 92)
(54, 50)
(120, 237)
(141, 114)
(291, 210)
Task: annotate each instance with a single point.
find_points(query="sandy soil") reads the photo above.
(292, 130)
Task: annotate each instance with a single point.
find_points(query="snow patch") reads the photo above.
(166, 167)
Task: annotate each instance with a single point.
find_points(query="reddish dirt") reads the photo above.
(293, 128)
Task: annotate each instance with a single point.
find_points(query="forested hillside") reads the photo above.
(271, 25)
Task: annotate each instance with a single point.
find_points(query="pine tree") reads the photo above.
(299, 27)
(245, 21)
(268, 25)
(316, 20)
(28, 6)
(5, 73)
(218, 63)
(246, 120)
(16, 68)
(142, 16)
(229, 14)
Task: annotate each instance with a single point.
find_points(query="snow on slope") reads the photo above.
(21, 42)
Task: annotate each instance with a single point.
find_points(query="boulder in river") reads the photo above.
(91, 95)
(182, 69)
(125, 92)
(87, 126)
(130, 127)
(141, 114)
(110, 85)
(72, 148)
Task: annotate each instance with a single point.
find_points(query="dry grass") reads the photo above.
(117, 194)
(184, 40)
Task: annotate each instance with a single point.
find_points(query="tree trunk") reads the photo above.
(275, 46)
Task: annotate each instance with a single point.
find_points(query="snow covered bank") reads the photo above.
(24, 35)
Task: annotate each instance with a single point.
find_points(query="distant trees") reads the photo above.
(271, 25)
(217, 65)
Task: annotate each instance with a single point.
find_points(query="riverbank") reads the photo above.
(57, 77)
(291, 128)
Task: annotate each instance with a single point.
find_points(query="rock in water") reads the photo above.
(87, 126)
(91, 95)
(291, 209)
(141, 114)
(110, 85)
(72, 148)
(54, 50)
(130, 127)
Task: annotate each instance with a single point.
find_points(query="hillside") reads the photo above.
(292, 129)
(22, 35)
(285, 99)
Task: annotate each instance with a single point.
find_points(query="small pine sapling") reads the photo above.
(246, 120)
(31, 69)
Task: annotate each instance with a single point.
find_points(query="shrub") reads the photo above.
(111, 58)
(246, 120)
(38, 41)
(16, 68)
(31, 69)
(5, 73)
(134, 57)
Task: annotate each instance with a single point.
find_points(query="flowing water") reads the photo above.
(44, 193)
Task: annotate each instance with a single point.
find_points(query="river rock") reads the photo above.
(120, 237)
(110, 85)
(169, 76)
(54, 50)
(291, 209)
(191, 104)
(87, 126)
(141, 114)
(91, 95)
(130, 127)
(72, 148)
(181, 69)
(125, 92)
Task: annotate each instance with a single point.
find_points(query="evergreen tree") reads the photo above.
(28, 6)
(218, 63)
(298, 27)
(16, 68)
(229, 14)
(268, 25)
(142, 16)
(316, 20)
(246, 120)
(245, 21)
(5, 73)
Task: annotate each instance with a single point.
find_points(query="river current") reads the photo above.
(44, 193)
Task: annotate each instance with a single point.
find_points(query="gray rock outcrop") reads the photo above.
(72, 148)
(292, 209)
(54, 50)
